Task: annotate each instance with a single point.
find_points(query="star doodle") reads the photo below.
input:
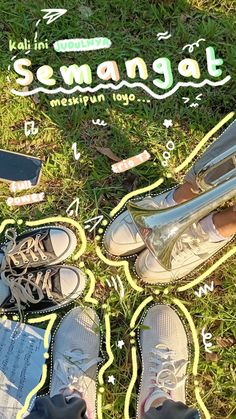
(111, 379)
(168, 123)
(120, 344)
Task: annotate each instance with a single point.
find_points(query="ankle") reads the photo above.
(225, 222)
(184, 193)
(158, 402)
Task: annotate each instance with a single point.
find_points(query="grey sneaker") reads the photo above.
(37, 248)
(76, 357)
(191, 250)
(121, 237)
(164, 349)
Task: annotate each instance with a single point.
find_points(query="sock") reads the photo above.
(157, 394)
(209, 227)
(169, 199)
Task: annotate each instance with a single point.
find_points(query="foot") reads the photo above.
(42, 289)
(37, 248)
(75, 357)
(164, 349)
(191, 250)
(121, 237)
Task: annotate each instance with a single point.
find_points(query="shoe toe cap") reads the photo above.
(61, 241)
(122, 237)
(71, 281)
(149, 269)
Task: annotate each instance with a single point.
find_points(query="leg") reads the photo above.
(58, 407)
(225, 141)
(122, 238)
(171, 410)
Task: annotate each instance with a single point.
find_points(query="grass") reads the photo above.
(132, 26)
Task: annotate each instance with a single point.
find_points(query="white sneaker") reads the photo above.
(75, 357)
(191, 250)
(164, 348)
(121, 237)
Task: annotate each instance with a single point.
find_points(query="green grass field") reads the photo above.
(132, 26)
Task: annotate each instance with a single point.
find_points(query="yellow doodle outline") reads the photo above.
(134, 193)
(106, 365)
(5, 223)
(188, 316)
(88, 298)
(134, 356)
(123, 263)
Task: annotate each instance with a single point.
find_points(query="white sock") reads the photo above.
(157, 394)
(169, 199)
(209, 227)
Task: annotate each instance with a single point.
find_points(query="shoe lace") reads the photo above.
(28, 249)
(190, 240)
(167, 373)
(72, 367)
(28, 288)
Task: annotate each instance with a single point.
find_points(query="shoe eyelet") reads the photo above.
(17, 263)
(12, 300)
(50, 298)
(44, 257)
(48, 271)
(38, 236)
(35, 259)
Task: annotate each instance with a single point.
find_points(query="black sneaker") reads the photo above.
(36, 248)
(42, 289)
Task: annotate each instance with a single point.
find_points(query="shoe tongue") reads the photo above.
(56, 282)
(47, 243)
(156, 394)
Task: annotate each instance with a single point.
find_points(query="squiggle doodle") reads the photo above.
(163, 35)
(120, 85)
(205, 337)
(191, 46)
(99, 122)
(204, 290)
(121, 291)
